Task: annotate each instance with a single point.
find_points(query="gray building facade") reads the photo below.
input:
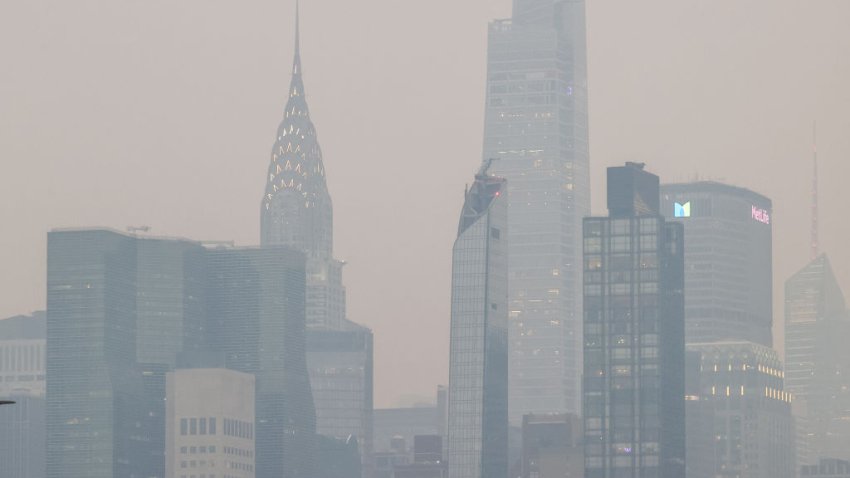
(749, 431)
(536, 128)
(634, 352)
(478, 361)
(728, 261)
(817, 361)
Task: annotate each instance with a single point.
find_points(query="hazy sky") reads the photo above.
(163, 113)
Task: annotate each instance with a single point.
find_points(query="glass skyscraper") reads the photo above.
(536, 128)
(256, 320)
(478, 362)
(728, 260)
(817, 359)
(634, 337)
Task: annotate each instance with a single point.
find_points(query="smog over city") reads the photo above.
(392, 239)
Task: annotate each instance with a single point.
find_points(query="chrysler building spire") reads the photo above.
(296, 208)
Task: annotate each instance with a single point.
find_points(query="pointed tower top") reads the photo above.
(297, 87)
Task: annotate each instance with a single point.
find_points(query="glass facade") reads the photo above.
(478, 363)
(728, 261)
(536, 129)
(256, 319)
(817, 359)
(634, 353)
(94, 393)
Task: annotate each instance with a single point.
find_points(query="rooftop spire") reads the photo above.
(815, 243)
(296, 87)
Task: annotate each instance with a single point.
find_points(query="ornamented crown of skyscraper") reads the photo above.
(296, 207)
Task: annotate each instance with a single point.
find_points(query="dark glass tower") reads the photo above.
(478, 363)
(728, 261)
(634, 337)
(256, 320)
(536, 127)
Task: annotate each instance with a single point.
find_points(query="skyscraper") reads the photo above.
(728, 261)
(634, 337)
(94, 395)
(749, 432)
(297, 211)
(817, 359)
(256, 320)
(536, 126)
(478, 362)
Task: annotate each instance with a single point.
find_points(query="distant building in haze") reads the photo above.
(826, 468)
(23, 437)
(817, 360)
(478, 362)
(536, 127)
(22, 355)
(749, 432)
(210, 424)
(634, 352)
(256, 319)
(728, 260)
(297, 211)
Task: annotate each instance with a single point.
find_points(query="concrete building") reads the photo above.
(750, 431)
(22, 355)
(826, 468)
(634, 334)
(536, 129)
(728, 260)
(478, 361)
(210, 424)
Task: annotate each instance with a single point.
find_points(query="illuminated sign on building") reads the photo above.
(761, 215)
(682, 210)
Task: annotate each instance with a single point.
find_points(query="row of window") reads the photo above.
(198, 426)
(238, 428)
(197, 449)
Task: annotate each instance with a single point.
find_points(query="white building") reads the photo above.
(22, 355)
(209, 424)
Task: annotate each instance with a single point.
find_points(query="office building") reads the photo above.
(536, 129)
(22, 437)
(95, 394)
(826, 468)
(22, 355)
(341, 377)
(552, 446)
(209, 424)
(634, 353)
(728, 261)
(427, 459)
(818, 360)
(749, 432)
(478, 361)
(256, 320)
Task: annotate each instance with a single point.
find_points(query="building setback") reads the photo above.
(728, 261)
(634, 353)
(478, 361)
(536, 128)
(210, 424)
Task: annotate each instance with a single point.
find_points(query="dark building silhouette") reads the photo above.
(634, 352)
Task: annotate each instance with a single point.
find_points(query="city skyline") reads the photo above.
(749, 150)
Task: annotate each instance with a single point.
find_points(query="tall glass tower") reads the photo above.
(536, 127)
(634, 334)
(478, 363)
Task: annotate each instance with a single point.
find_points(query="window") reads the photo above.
(193, 426)
(203, 426)
(184, 426)
(212, 426)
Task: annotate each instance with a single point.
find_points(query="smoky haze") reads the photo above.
(163, 113)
